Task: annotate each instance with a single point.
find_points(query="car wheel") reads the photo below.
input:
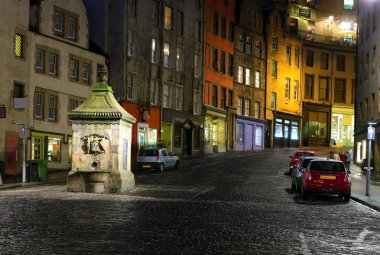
(297, 186)
(347, 198)
(176, 165)
(303, 193)
(161, 169)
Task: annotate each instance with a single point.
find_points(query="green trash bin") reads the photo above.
(42, 169)
(2, 169)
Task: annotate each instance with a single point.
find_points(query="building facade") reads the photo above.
(249, 78)
(367, 102)
(48, 71)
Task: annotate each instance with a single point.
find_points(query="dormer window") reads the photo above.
(65, 24)
(58, 23)
(71, 28)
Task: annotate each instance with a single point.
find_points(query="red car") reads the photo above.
(326, 176)
(296, 156)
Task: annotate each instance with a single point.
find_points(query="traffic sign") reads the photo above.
(371, 133)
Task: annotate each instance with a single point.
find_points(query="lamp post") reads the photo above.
(371, 136)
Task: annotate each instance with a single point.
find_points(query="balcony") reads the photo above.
(341, 39)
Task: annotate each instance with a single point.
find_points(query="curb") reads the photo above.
(372, 206)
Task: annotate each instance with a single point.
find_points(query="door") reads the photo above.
(11, 154)
(189, 141)
(249, 138)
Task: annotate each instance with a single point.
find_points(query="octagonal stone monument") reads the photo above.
(101, 143)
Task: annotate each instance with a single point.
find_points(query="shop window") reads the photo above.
(54, 149)
(258, 136)
(197, 138)
(36, 148)
(240, 133)
(278, 128)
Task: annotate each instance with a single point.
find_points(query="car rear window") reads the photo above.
(148, 153)
(305, 162)
(327, 166)
(304, 154)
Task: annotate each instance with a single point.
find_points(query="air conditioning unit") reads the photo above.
(19, 102)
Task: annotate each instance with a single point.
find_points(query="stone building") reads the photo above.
(249, 78)
(47, 70)
(155, 51)
(367, 103)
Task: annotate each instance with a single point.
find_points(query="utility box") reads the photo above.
(42, 169)
(32, 171)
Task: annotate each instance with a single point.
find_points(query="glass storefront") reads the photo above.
(147, 137)
(286, 132)
(215, 134)
(50, 142)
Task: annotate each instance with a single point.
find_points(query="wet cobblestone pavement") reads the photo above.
(230, 204)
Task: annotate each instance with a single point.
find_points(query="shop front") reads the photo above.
(316, 125)
(342, 126)
(215, 131)
(286, 130)
(249, 134)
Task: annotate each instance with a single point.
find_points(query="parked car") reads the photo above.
(157, 158)
(297, 172)
(296, 156)
(326, 176)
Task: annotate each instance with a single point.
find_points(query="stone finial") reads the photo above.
(103, 75)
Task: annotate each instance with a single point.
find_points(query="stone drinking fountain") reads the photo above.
(101, 143)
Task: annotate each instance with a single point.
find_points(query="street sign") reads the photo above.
(366, 168)
(371, 133)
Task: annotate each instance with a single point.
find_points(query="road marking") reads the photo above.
(305, 247)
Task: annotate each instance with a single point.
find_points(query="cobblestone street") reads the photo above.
(223, 204)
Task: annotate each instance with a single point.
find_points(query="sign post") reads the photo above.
(370, 137)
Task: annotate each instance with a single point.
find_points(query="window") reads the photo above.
(274, 69)
(18, 90)
(178, 97)
(258, 49)
(231, 35)
(40, 60)
(230, 64)
(259, 136)
(197, 102)
(52, 112)
(223, 98)
(257, 110)
(222, 62)
(230, 97)
(153, 92)
(130, 86)
(274, 43)
(323, 89)
(324, 60)
(240, 74)
(288, 54)
(215, 95)
(247, 79)
(71, 28)
(74, 69)
(168, 18)
(297, 57)
(179, 60)
(240, 131)
(54, 149)
(309, 86)
(19, 45)
(197, 65)
(241, 42)
(253, 18)
(165, 96)
(257, 80)
(154, 51)
(340, 91)
(53, 59)
(247, 107)
(156, 12)
(39, 105)
(132, 8)
(180, 23)
(340, 63)
(86, 73)
(131, 42)
(73, 104)
(224, 27)
(216, 24)
(215, 59)
(296, 89)
(273, 101)
(287, 88)
(240, 106)
(177, 134)
(309, 58)
(58, 23)
(248, 45)
(167, 62)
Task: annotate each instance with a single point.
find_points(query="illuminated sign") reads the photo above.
(348, 4)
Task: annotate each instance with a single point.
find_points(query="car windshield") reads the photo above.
(304, 154)
(148, 153)
(327, 166)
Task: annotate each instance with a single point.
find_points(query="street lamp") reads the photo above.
(22, 129)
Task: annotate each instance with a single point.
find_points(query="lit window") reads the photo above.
(179, 60)
(52, 113)
(168, 17)
(54, 149)
(247, 76)
(154, 51)
(240, 74)
(257, 80)
(19, 45)
(167, 55)
(40, 56)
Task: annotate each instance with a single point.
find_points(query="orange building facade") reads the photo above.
(218, 73)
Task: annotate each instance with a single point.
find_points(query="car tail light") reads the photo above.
(347, 178)
(308, 176)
